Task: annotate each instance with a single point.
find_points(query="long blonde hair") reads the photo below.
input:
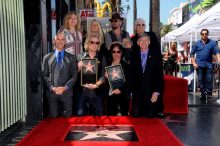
(67, 17)
(99, 33)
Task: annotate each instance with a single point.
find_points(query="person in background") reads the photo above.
(94, 27)
(91, 99)
(71, 30)
(184, 54)
(118, 97)
(116, 34)
(171, 56)
(60, 74)
(204, 50)
(147, 83)
(140, 26)
(127, 43)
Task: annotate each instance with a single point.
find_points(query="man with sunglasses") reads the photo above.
(139, 28)
(90, 98)
(116, 34)
(204, 50)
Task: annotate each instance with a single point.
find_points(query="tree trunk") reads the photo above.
(134, 13)
(154, 24)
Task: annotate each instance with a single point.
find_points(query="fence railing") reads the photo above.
(12, 63)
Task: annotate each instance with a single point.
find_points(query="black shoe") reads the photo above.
(150, 115)
(203, 98)
(209, 97)
(161, 116)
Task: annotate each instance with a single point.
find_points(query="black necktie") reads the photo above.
(59, 60)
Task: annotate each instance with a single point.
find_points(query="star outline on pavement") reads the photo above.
(102, 133)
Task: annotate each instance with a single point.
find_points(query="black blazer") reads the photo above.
(144, 84)
(53, 77)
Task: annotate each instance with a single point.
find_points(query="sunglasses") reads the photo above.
(204, 34)
(118, 52)
(140, 25)
(114, 21)
(97, 43)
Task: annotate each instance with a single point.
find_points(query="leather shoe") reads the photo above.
(161, 116)
(209, 97)
(150, 115)
(203, 98)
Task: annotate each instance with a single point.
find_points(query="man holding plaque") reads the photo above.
(92, 68)
(60, 74)
(147, 84)
(118, 76)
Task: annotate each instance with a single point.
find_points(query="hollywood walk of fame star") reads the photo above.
(102, 133)
(89, 67)
(115, 74)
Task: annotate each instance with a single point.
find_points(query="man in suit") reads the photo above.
(60, 73)
(147, 79)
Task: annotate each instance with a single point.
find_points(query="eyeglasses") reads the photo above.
(204, 34)
(114, 21)
(118, 52)
(140, 25)
(97, 43)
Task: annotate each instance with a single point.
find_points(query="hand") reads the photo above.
(106, 75)
(91, 86)
(54, 89)
(80, 65)
(195, 65)
(60, 90)
(154, 97)
(116, 91)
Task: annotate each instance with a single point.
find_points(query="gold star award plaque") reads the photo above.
(89, 71)
(115, 76)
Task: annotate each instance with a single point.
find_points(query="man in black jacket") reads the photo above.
(147, 85)
(60, 73)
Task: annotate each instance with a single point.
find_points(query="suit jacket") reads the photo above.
(149, 81)
(54, 77)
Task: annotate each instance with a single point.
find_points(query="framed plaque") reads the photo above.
(89, 71)
(116, 77)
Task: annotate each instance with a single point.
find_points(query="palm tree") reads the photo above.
(134, 13)
(116, 5)
(165, 29)
(155, 17)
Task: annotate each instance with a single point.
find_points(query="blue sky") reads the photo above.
(143, 11)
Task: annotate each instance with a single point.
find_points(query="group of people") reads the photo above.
(140, 59)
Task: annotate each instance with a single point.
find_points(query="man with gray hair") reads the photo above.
(140, 26)
(60, 74)
(147, 84)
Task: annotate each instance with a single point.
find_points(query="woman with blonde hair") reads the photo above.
(95, 27)
(73, 36)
